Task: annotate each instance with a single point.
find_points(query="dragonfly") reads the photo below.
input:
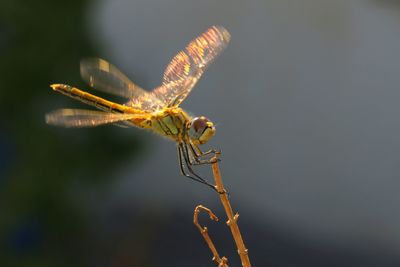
(156, 110)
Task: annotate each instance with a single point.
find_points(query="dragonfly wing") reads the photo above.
(84, 118)
(105, 77)
(187, 66)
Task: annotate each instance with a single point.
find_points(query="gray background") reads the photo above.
(306, 102)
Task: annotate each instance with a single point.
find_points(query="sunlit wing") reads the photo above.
(84, 118)
(187, 66)
(105, 77)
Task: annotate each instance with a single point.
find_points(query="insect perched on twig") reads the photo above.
(157, 110)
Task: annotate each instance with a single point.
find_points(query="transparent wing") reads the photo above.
(187, 66)
(105, 77)
(84, 118)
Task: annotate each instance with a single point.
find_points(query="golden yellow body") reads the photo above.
(168, 122)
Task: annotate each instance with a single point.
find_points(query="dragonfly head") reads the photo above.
(200, 130)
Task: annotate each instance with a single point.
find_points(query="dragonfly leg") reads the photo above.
(198, 154)
(211, 151)
(183, 153)
(193, 157)
(182, 166)
(184, 148)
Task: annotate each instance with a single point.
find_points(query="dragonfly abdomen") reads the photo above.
(92, 100)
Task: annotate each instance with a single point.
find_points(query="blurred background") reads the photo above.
(306, 102)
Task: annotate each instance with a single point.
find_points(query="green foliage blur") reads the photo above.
(42, 42)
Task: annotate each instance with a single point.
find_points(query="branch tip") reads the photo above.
(204, 233)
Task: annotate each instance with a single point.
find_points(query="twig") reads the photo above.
(232, 219)
(222, 262)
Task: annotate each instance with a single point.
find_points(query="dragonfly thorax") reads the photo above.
(200, 130)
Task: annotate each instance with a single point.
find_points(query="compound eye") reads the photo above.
(201, 129)
(199, 124)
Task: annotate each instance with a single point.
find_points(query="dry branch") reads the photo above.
(232, 220)
(222, 262)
